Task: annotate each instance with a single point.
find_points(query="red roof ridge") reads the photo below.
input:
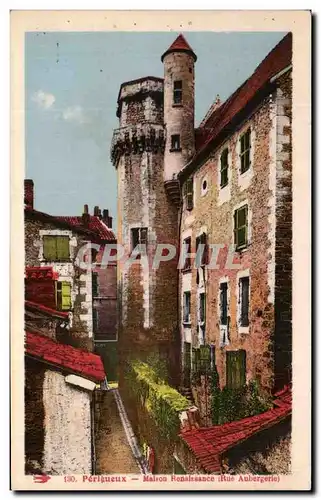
(277, 59)
(67, 357)
(95, 225)
(208, 443)
(180, 45)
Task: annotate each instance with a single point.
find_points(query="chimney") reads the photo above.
(85, 216)
(96, 211)
(99, 213)
(28, 197)
(107, 220)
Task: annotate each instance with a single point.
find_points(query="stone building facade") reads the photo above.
(221, 194)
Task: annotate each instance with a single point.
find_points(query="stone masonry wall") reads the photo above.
(80, 331)
(213, 214)
(147, 297)
(67, 423)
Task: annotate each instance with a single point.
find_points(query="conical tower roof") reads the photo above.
(180, 45)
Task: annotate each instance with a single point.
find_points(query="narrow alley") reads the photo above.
(116, 447)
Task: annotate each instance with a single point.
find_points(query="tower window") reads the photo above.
(187, 307)
(178, 92)
(176, 142)
(223, 303)
(139, 236)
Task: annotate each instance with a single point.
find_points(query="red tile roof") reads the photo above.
(277, 60)
(35, 306)
(40, 273)
(36, 214)
(95, 225)
(180, 45)
(208, 443)
(64, 356)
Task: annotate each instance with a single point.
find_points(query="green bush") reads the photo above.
(160, 400)
(228, 405)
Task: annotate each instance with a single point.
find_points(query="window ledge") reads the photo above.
(187, 270)
(177, 105)
(186, 324)
(176, 150)
(224, 186)
(244, 330)
(245, 171)
(242, 249)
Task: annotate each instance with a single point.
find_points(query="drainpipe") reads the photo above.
(93, 447)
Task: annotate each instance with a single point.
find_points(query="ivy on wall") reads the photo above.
(228, 405)
(160, 400)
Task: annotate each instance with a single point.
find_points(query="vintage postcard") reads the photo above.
(160, 329)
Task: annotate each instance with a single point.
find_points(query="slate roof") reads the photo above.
(221, 118)
(95, 225)
(209, 443)
(66, 357)
(180, 45)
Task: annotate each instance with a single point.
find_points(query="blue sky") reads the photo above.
(71, 87)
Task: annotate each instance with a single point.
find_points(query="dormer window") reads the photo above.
(175, 142)
(178, 92)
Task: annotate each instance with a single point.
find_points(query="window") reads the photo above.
(178, 92)
(139, 236)
(202, 308)
(241, 227)
(244, 289)
(202, 240)
(95, 285)
(187, 307)
(224, 168)
(187, 244)
(235, 369)
(56, 248)
(223, 303)
(245, 147)
(188, 194)
(176, 142)
(205, 358)
(63, 295)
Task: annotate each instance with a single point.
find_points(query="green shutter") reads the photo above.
(65, 296)
(49, 247)
(62, 247)
(235, 369)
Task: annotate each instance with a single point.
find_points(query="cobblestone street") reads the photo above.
(114, 454)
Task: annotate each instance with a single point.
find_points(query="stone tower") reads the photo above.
(147, 161)
(179, 101)
(147, 296)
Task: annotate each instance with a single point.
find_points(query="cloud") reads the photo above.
(75, 114)
(43, 99)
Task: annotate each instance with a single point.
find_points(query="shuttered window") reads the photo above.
(187, 243)
(235, 369)
(205, 358)
(63, 295)
(56, 248)
(224, 168)
(245, 148)
(241, 227)
(189, 194)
